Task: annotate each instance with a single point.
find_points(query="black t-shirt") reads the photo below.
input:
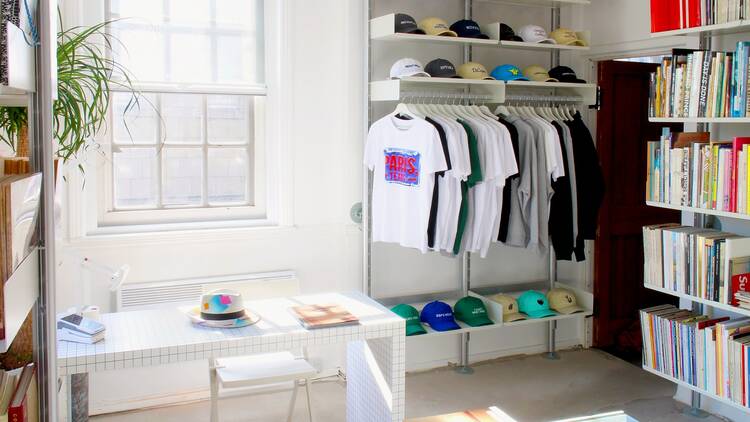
(561, 208)
(435, 191)
(505, 211)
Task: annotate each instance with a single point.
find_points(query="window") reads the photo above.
(194, 149)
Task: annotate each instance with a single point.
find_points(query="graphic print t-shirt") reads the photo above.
(404, 155)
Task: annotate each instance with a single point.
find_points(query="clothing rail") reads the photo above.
(445, 96)
(544, 98)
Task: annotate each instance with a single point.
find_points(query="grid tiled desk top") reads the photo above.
(154, 337)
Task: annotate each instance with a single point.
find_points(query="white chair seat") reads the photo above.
(269, 368)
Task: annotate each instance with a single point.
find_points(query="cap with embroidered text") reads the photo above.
(441, 68)
(405, 24)
(472, 311)
(538, 74)
(507, 33)
(563, 301)
(436, 26)
(439, 316)
(565, 74)
(407, 67)
(535, 34)
(473, 70)
(411, 315)
(567, 36)
(508, 72)
(468, 29)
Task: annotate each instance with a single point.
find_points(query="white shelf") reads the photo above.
(383, 29)
(540, 3)
(392, 89)
(711, 303)
(698, 210)
(696, 389)
(20, 293)
(699, 119)
(717, 29)
(587, 92)
(21, 73)
(520, 45)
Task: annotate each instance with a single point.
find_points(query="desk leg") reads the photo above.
(375, 379)
(78, 397)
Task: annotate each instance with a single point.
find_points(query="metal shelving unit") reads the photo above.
(491, 91)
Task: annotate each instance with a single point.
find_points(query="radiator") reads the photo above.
(160, 294)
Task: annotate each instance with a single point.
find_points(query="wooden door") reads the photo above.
(622, 132)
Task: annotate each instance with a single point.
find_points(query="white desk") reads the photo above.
(375, 353)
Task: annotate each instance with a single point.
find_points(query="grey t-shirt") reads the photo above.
(523, 208)
(568, 141)
(539, 227)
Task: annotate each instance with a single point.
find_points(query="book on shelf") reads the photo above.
(704, 263)
(23, 405)
(323, 316)
(669, 15)
(705, 352)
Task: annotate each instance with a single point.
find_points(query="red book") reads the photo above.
(18, 411)
(693, 13)
(736, 149)
(666, 15)
(711, 322)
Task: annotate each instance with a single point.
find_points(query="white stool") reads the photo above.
(256, 370)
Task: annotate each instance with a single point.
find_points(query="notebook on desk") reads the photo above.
(323, 316)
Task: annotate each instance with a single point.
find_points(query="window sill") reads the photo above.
(181, 232)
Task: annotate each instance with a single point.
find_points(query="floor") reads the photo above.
(527, 388)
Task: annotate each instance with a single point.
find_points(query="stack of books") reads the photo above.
(18, 394)
(743, 299)
(705, 263)
(323, 316)
(701, 83)
(708, 353)
(687, 169)
(679, 14)
(19, 209)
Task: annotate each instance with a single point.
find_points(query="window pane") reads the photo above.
(227, 175)
(194, 13)
(135, 178)
(229, 119)
(242, 14)
(141, 52)
(149, 10)
(190, 58)
(183, 176)
(137, 125)
(183, 118)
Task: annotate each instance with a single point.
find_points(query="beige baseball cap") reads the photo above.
(473, 70)
(563, 301)
(436, 26)
(538, 74)
(510, 307)
(566, 36)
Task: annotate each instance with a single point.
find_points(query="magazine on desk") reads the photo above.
(323, 316)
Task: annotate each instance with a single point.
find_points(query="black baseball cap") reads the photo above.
(468, 29)
(507, 33)
(441, 68)
(405, 24)
(565, 74)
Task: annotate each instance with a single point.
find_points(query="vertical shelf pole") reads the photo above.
(366, 211)
(463, 367)
(552, 325)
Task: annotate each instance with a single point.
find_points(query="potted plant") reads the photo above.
(86, 71)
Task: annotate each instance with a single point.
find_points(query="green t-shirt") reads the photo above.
(474, 178)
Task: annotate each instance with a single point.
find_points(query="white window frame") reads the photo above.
(88, 194)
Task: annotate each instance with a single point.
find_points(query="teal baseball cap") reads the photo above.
(508, 72)
(534, 304)
(411, 315)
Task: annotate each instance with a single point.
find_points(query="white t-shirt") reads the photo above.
(404, 156)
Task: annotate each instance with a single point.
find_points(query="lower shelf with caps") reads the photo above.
(494, 309)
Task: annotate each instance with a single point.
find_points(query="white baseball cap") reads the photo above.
(407, 67)
(535, 34)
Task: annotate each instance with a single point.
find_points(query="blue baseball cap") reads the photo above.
(439, 315)
(508, 72)
(468, 29)
(534, 304)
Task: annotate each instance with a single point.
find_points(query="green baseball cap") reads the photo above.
(411, 315)
(471, 310)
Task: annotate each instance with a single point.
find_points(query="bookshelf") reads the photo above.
(710, 120)
(697, 390)
(717, 29)
(711, 303)
(698, 210)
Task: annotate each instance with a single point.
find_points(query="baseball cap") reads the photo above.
(538, 73)
(436, 26)
(534, 304)
(407, 67)
(471, 310)
(563, 301)
(411, 315)
(507, 33)
(406, 24)
(508, 72)
(468, 29)
(510, 307)
(473, 70)
(565, 74)
(441, 68)
(439, 315)
(566, 36)
(535, 33)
